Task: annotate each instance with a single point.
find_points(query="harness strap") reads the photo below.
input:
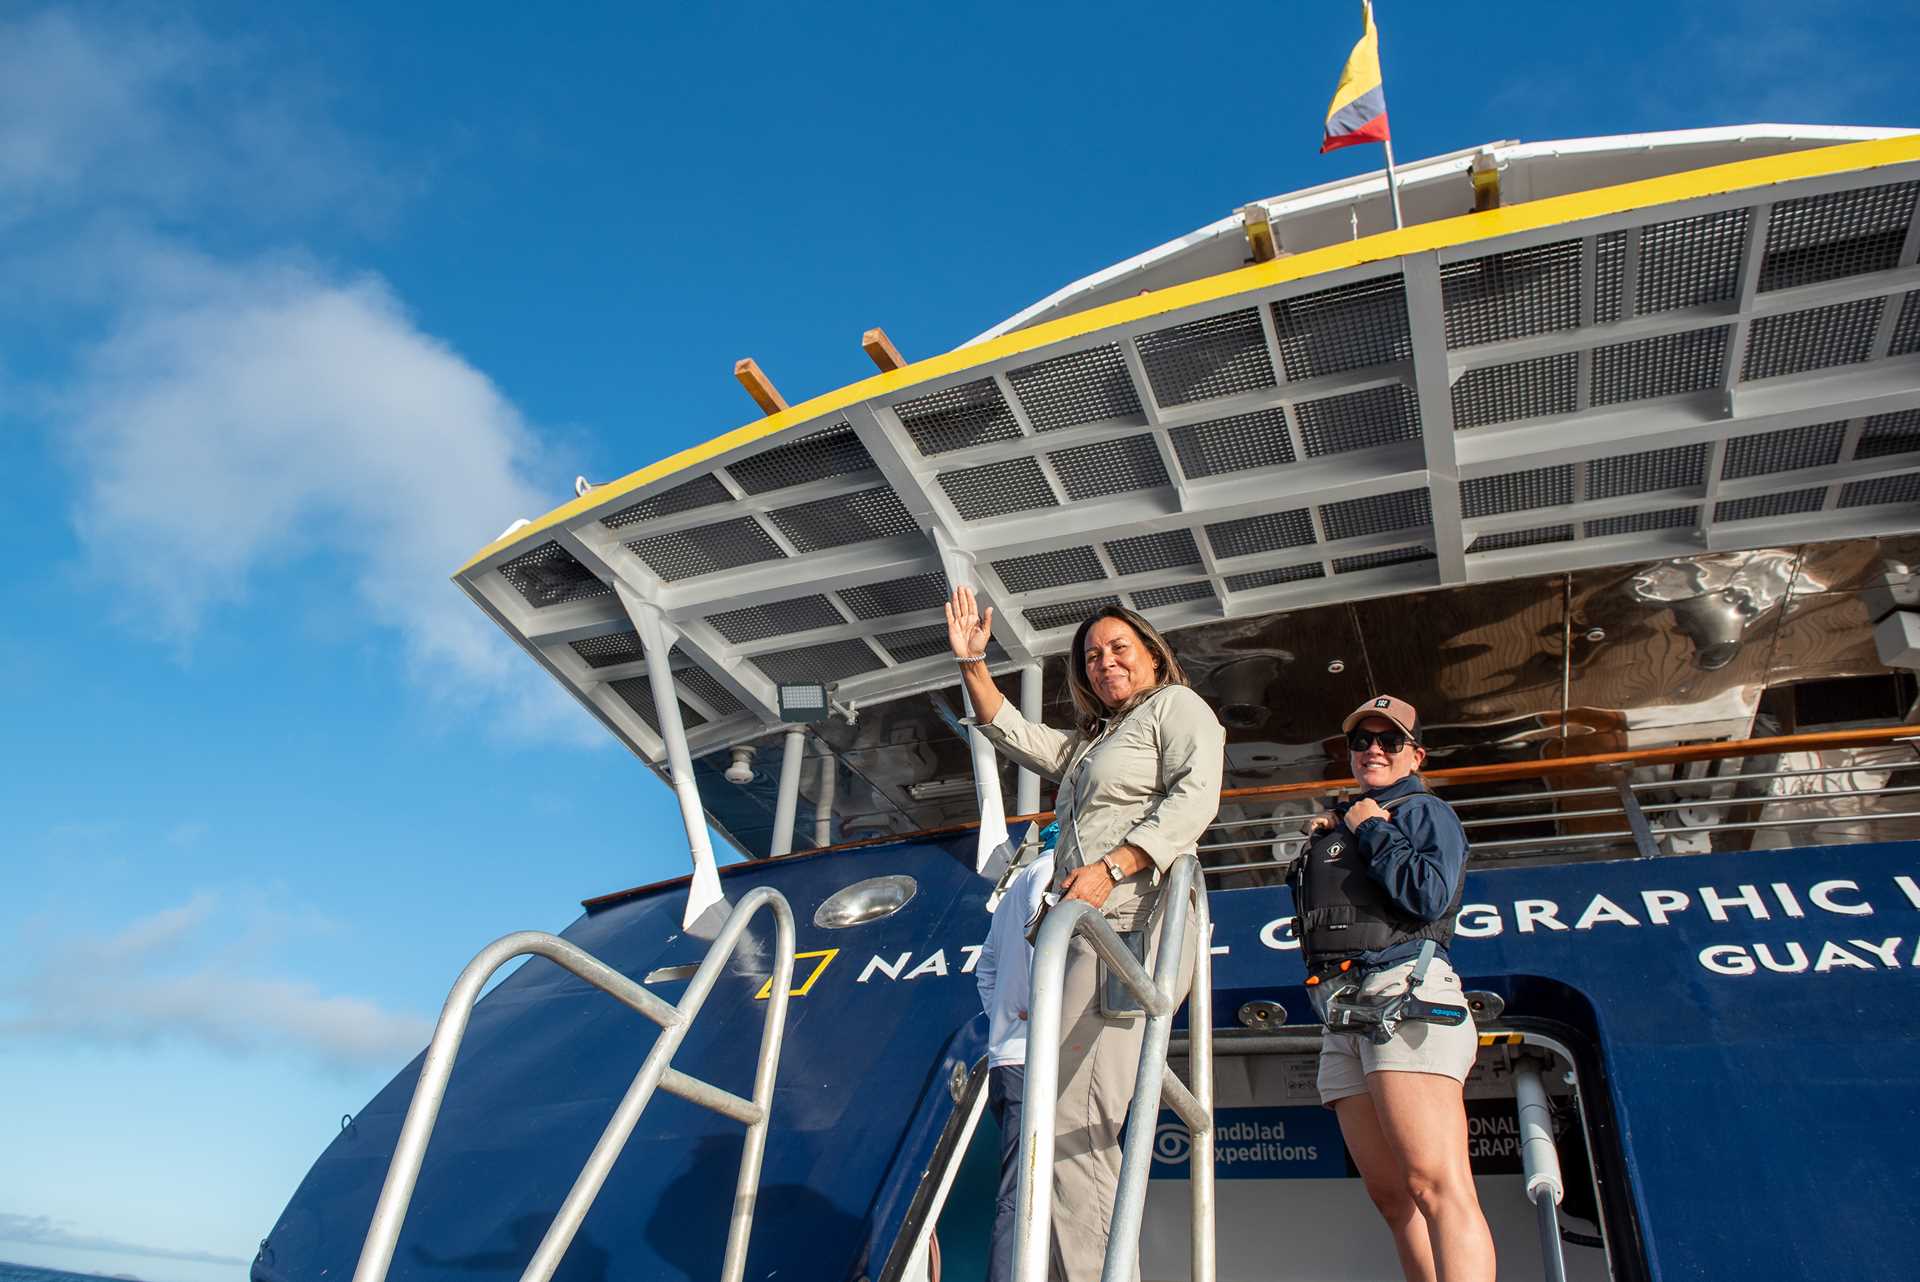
(1419, 975)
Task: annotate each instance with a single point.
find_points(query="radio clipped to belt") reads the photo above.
(1344, 1008)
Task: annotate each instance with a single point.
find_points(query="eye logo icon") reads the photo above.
(1171, 1143)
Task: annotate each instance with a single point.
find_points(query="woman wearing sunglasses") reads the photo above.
(1380, 883)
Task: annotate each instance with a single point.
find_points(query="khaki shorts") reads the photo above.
(1417, 1046)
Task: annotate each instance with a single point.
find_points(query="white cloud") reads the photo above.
(235, 418)
(43, 1230)
(240, 416)
(166, 978)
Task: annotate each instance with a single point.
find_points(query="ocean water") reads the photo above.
(28, 1273)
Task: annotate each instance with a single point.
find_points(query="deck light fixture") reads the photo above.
(740, 769)
(803, 701)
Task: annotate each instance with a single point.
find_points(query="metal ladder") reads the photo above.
(1034, 1210)
(656, 1072)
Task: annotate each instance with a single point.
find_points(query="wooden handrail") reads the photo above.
(1815, 742)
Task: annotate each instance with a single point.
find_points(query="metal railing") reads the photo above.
(1184, 895)
(1540, 1162)
(1642, 825)
(376, 1255)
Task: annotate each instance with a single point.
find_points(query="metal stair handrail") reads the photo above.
(1154, 1085)
(383, 1234)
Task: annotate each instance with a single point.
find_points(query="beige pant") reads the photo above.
(1099, 1061)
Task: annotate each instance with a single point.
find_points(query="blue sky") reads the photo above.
(307, 305)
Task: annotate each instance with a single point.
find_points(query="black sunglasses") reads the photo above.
(1390, 741)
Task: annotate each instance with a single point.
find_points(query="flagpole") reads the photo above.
(1393, 184)
(1393, 178)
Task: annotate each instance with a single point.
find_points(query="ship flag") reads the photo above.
(1358, 112)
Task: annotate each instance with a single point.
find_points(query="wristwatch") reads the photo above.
(1112, 866)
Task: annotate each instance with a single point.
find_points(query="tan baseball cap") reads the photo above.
(1398, 711)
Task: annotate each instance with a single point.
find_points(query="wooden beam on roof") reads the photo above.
(759, 386)
(880, 348)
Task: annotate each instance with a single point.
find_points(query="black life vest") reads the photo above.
(1342, 911)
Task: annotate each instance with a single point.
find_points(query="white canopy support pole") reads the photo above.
(1026, 786)
(986, 787)
(657, 636)
(829, 785)
(958, 565)
(787, 803)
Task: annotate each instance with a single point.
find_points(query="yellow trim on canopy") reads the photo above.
(1818, 162)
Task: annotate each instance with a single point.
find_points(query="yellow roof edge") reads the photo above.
(1463, 229)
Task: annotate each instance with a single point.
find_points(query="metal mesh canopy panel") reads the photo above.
(1665, 366)
(1269, 532)
(896, 596)
(828, 663)
(1177, 594)
(1376, 560)
(956, 417)
(1787, 503)
(1823, 336)
(1906, 331)
(550, 575)
(816, 457)
(910, 644)
(706, 687)
(1347, 327)
(1609, 276)
(1678, 468)
(1049, 569)
(1254, 579)
(1148, 552)
(1847, 233)
(1815, 445)
(1513, 294)
(610, 650)
(1517, 491)
(702, 491)
(998, 489)
(1202, 359)
(1109, 467)
(1690, 261)
(1885, 434)
(687, 554)
(1904, 488)
(1525, 389)
(845, 518)
(758, 622)
(1080, 387)
(1377, 514)
(1067, 614)
(638, 694)
(1359, 420)
(1503, 539)
(1672, 518)
(1233, 444)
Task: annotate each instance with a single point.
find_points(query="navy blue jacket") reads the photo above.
(1419, 853)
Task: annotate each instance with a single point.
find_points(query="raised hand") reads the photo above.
(967, 629)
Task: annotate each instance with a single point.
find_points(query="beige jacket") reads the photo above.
(1152, 780)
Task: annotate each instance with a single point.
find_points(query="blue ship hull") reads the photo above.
(1744, 1025)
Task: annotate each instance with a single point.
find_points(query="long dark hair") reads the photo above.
(1089, 711)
